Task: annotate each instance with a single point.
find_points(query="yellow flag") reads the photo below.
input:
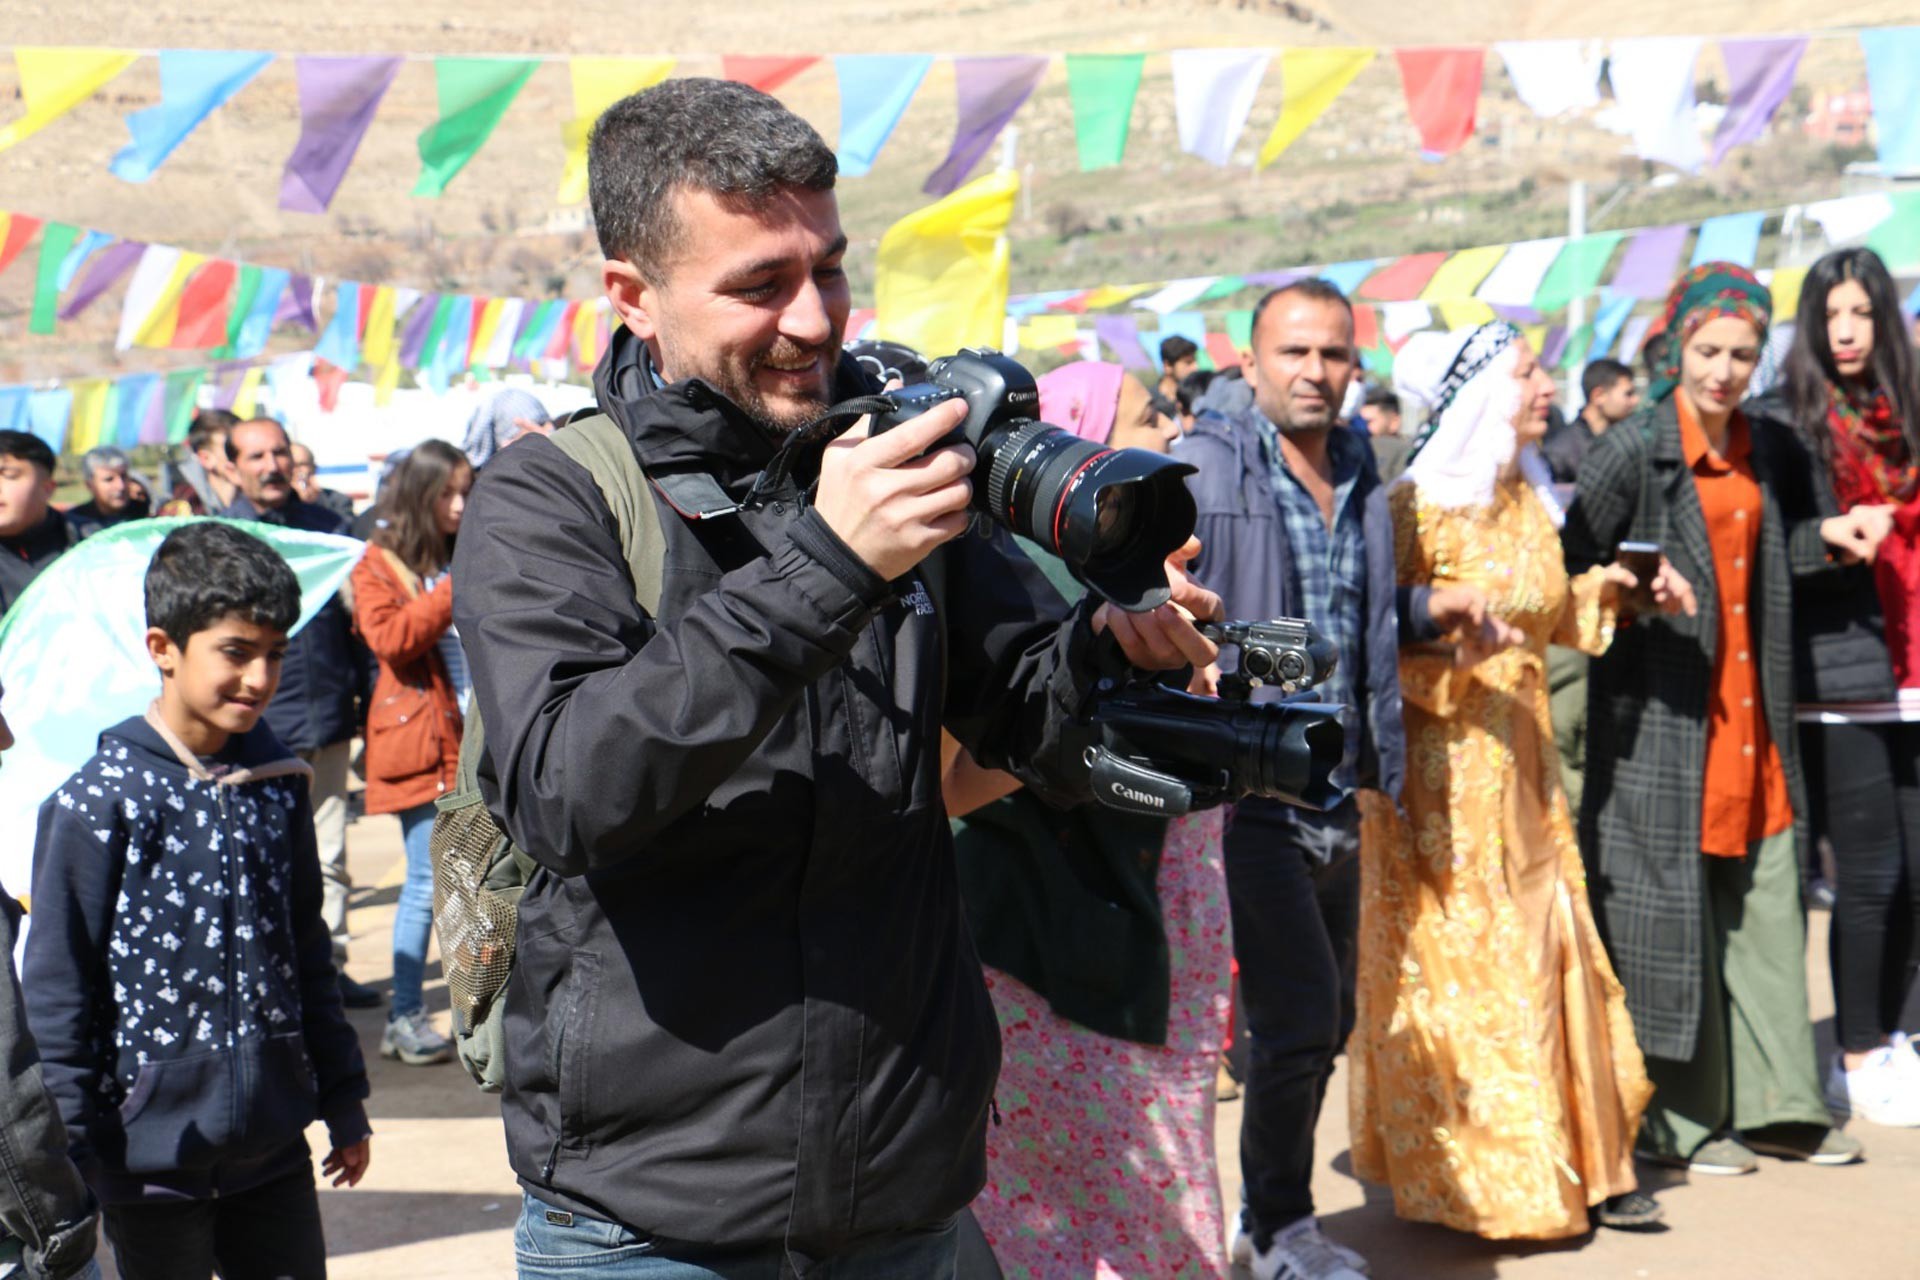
(55, 81)
(484, 328)
(940, 281)
(1461, 274)
(1310, 79)
(245, 399)
(598, 83)
(376, 348)
(1536, 335)
(1786, 289)
(89, 413)
(586, 335)
(385, 382)
(157, 329)
(1049, 331)
(1469, 313)
(1112, 295)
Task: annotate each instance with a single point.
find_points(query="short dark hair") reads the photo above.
(1603, 375)
(1175, 349)
(209, 423)
(28, 448)
(1312, 287)
(693, 134)
(1654, 354)
(233, 454)
(206, 571)
(1382, 398)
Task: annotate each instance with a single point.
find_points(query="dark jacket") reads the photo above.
(1244, 549)
(1839, 634)
(1647, 707)
(745, 1007)
(22, 559)
(43, 1202)
(1565, 447)
(325, 676)
(88, 519)
(184, 994)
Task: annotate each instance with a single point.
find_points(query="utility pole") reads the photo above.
(1576, 309)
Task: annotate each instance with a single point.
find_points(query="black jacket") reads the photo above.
(183, 988)
(43, 1202)
(745, 1008)
(22, 559)
(88, 519)
(1839, 633)
(324, 679)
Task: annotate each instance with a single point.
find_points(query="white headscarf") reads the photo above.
(1464, 380)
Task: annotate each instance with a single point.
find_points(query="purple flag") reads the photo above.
(1762, 76)
(114, 261)
(1122, 336)
(1277, 279)
(338, 97)
(226, 386)
(1651, 262)
(990, 90)
(1555, 346)
(296, 305)
(414, 336)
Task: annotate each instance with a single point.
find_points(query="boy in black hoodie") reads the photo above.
(184, 994)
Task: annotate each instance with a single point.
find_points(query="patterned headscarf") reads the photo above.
(1455, 362)
(1710, 291)
(1082, 397)
(494, 425)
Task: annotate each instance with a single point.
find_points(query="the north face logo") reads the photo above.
(918, 600)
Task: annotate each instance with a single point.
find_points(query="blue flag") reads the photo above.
(874, 92)
(193, 83)
(1893, 82)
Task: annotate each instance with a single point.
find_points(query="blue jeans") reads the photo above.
(413, 922)
(553, 1244)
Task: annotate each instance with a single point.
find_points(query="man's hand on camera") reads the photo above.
(889, 504)
(1165, 639)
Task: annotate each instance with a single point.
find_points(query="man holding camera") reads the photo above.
(746, 1033)
(1293, 522)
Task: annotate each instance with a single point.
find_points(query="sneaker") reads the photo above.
(1721, 1157)
(1634, 1211)
(1905, 1056)
(412, 1039)
(1813, 1143)
(1879, 1091)
(1300, 1252)
(358, 995)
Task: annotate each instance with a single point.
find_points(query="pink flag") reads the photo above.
(1443, 92)
(765, 74)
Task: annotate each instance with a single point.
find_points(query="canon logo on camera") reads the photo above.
(1138, 797)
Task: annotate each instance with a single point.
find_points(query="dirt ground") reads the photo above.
(439, 1200)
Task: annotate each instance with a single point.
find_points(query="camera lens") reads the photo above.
(1112, 520)
(1256, 662)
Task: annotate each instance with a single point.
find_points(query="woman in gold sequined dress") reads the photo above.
(1495, 1084)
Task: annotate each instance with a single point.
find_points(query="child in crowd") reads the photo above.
(48, 1222)
(184, 994)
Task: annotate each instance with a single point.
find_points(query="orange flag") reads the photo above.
(204, 304)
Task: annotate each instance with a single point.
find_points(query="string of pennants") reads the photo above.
(1652, 81)
(180, 300)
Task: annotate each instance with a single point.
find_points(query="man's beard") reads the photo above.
(734, 379)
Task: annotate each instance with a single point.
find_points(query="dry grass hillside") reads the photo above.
(1351, 187)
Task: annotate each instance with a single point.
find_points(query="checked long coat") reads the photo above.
(1647, 709)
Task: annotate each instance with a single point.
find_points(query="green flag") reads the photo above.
(55, 242)
(1240, 329)
(1103, 87)
(182, 398)
(1224, 287)
(1574, 354)
(474, 94)
(1897, 240)
(436, 330)
(245, 289)
(1576, 272)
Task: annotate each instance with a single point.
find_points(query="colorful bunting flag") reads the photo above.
(1576, 272)
(340, 344)
(1402, 279)
(1443, 94)
(473, 94)
(148, 291)
(598, 83)
(1650, 263)
(55, 81)
(376, 346)
(1401, 320)
(1893, 54)
(1554, 77)
(991, 90)
(1631, 336)
(1652, 80)
(1761, 72)
(133, 398)
(1213, 92)
(1848, 219)
(1177, 294)
(205, 303)
(338, 99)
(431, 311)
(1347, 276)
(1122, 337)
(13, 408)
(1516, 281)
(765, 74)
(1785, 287)
(255, 305)
(1607, 325)
(1240, 329)
(56, 243)
(1897, 239)
(19, 230)
(296, 305)
(941, 273)
(1464, 313)
(1102, 87)
(115, 262)
(874, 92)
(90, 243)
(246, 397)
(90, 397)
(193, 84)
(49, 411)
(1310, 79)
(181, 397)
(1731, 237)
(1462, 273)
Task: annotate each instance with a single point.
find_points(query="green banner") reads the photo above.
(183, 390)
(1576, 272)
(56, 239)
(1240, 329)
(245, 290)
(1103, 87)
(474, 94)
(1897, 240)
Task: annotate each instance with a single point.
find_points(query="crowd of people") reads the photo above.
(823, 962)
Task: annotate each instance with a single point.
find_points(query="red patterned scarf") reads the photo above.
(1871, 460)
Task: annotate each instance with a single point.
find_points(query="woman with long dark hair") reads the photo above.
(1853, 402)
(403, 605)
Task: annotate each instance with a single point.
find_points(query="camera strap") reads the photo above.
(822, 429)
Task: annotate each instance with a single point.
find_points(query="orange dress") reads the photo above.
(1495, 1083)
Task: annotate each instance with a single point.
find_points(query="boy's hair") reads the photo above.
(209, 424)
(206, 571)
(1603, 375)
(27, 448)
(1174, 349)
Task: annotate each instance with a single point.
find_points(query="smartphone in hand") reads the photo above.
(1642, 560)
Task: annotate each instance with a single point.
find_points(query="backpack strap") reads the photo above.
(598, 444)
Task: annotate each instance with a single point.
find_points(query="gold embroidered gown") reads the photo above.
(1495, 1082)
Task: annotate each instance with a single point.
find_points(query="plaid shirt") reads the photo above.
(1328, 570)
